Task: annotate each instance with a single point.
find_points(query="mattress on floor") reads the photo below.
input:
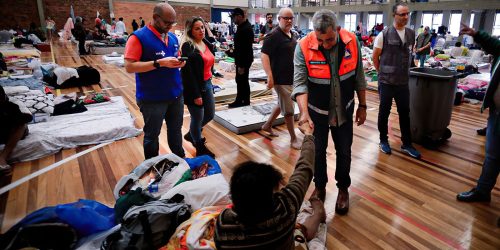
(24, 52)
(248, 118)
(228, 91)
(112, 59)
(103, 122)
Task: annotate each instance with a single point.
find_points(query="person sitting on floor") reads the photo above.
(12, 128)
(264, 217)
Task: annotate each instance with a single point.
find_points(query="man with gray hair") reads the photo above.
(277, 61)
(327, 71)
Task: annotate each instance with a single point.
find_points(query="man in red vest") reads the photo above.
(327, 72)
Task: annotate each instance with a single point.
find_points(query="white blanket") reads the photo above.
(102, 122)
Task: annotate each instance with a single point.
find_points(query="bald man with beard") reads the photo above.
(151, 53)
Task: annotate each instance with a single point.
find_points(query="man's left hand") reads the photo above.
(360, 116)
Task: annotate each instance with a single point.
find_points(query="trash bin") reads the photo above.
(432, 93)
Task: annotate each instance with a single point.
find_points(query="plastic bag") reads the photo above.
(207, 191)
(87, 216)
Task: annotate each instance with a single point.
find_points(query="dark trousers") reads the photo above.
(242, 86)
(201, 115)
(154, 113)
(401, 94)
(491, 166)
(81, 45)
(342, 138)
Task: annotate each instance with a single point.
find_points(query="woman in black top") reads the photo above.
(196, 78)
(135, 25)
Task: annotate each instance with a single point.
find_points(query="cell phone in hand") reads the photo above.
(182, 59)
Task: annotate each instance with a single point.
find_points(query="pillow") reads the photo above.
(15, 90)
(64, 74)
(21, 105)
(37, 102)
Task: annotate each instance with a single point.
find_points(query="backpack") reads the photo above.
(57, 236)
(149, 226)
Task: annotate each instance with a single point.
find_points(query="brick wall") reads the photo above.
(59, 10)
(134, 10)
(23, 12)
(18, 12)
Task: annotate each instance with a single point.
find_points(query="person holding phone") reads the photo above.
(196, 78)
(151, 53)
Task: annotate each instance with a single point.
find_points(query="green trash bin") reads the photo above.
(432, 92)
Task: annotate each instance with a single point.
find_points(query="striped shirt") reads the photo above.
(277, 231)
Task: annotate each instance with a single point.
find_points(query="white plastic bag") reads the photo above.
(212, 190)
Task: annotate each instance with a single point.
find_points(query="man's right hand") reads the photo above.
(466, 30)
(270, 82)
(171, 62)
(306, 125)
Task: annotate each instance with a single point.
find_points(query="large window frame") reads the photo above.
(433, 20)
(373, 19)
(496, 25)
(454, 26)
(350, 22)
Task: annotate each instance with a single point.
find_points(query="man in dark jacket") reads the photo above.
(243, 57)
(491, 165)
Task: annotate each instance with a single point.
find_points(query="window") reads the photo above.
(496, 26)
(471, 21)
(455, 23)
(284, 3)
(350, 22)
(373, 19)
(433, 20)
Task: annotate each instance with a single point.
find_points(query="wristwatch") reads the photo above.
(156, 64)
(362, 106)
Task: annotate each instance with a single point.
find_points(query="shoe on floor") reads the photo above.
(188, 138)
(481, 131)
(411, 151)
(201, 149)
(385, 147)
(342, 205)
(473, 196)
(237, 104)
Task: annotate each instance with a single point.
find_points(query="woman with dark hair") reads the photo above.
(196, 78)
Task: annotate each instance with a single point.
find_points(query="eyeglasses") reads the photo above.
(403, 14)
(287, 18)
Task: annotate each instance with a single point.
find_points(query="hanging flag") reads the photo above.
(72, 13)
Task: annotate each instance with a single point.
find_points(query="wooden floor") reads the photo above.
(396, 202)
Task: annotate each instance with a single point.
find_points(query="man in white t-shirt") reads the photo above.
(392, 58)
(120, 27)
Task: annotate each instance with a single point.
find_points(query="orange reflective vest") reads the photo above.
(316, 63)
(319, 74)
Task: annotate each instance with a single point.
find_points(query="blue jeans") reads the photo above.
(342, 138)
(201, 115)
(491, 166)
(401, 94)
(154, 113)
(421, 59)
